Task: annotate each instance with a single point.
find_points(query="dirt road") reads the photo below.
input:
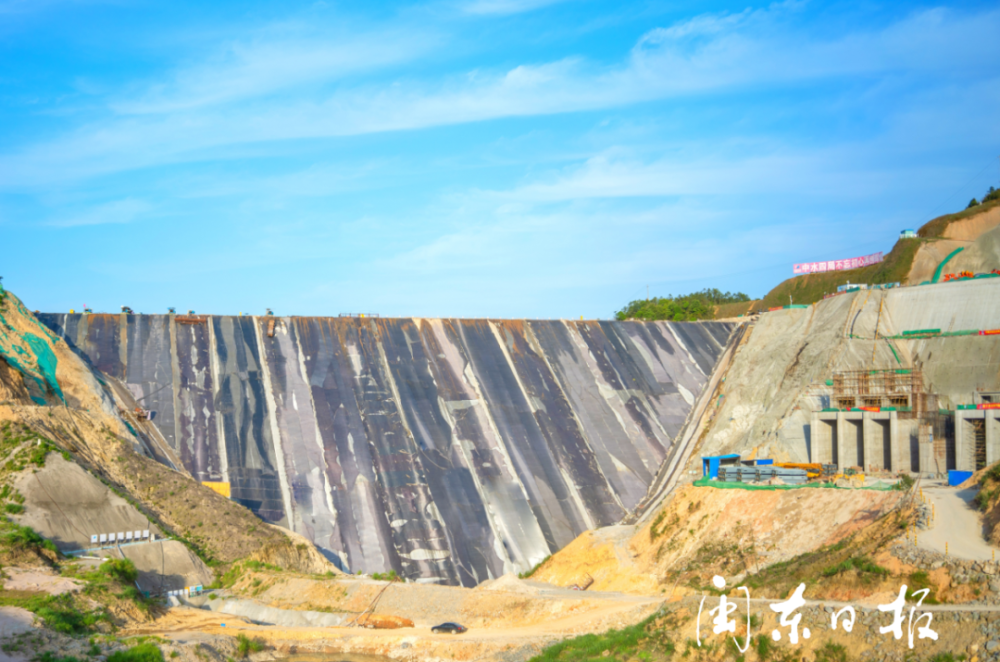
(957, 523)
(477, 643)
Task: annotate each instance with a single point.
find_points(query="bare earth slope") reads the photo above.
(55, 394)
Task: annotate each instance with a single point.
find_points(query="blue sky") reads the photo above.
(474, 158)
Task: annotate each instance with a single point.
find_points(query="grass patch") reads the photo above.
(146, 652)
(246, 645)
(919, 581)
(947, 657)
(15, 535)
(238, 569)
(114, 579)
(905, 483)
(529, 573)
(860, 563)
(764, 647)
(58, 612)
(626, 643)
(831, 652)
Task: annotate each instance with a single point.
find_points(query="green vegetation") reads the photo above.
(984, 497)
(145, 652)
(831, 652)
(529, 573)
(245, 645)
(810, 288)
(390, 576)
(937, 227)
(16, 434)
(860, 563)
(23, 537)
(917, 582)
(991, 195)
(59, 612)
(989, 488)
(238, 569)
(687, 308)
(764, 646)
(122, 570)
(643, 640)
(947, 657)
(905, 483)
(111, 581)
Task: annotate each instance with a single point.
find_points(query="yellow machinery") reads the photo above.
(812, 470)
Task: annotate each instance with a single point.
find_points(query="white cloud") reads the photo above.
(505, 7)
(273, 63)
(188, 117)
(118, 211)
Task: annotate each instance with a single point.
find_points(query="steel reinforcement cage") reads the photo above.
(899, 389)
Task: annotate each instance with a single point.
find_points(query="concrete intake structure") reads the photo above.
(881, 441)
(451, 451)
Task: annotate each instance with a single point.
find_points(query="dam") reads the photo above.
(450, 451)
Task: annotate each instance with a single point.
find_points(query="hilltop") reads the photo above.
(972, 232)
(968, 240)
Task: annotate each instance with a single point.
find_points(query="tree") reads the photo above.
(973, 203)
(684, 308)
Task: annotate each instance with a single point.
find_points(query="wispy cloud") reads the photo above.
(117, 211)
(505, 7)
(190, 118)
(272, 63)
(772, 169)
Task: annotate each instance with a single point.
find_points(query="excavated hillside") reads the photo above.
(779, 376)
(965, 241)
(703, 531)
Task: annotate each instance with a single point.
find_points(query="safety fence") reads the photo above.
(920, 334)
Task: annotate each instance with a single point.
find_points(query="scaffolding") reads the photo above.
(979, 437)
(899, 389)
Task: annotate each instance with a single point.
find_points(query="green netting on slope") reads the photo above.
(36, 387)
(46, 360)
(31, 356)
(940, 267)
(722, 485)
(28, 316)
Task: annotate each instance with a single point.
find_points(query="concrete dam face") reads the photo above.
(447, 450)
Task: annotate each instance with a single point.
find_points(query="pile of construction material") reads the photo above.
(762, 474)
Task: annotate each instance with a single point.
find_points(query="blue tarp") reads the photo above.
(958, 477)
(710, 464)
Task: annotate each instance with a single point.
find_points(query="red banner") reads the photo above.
(837, 265)
(988, 405)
